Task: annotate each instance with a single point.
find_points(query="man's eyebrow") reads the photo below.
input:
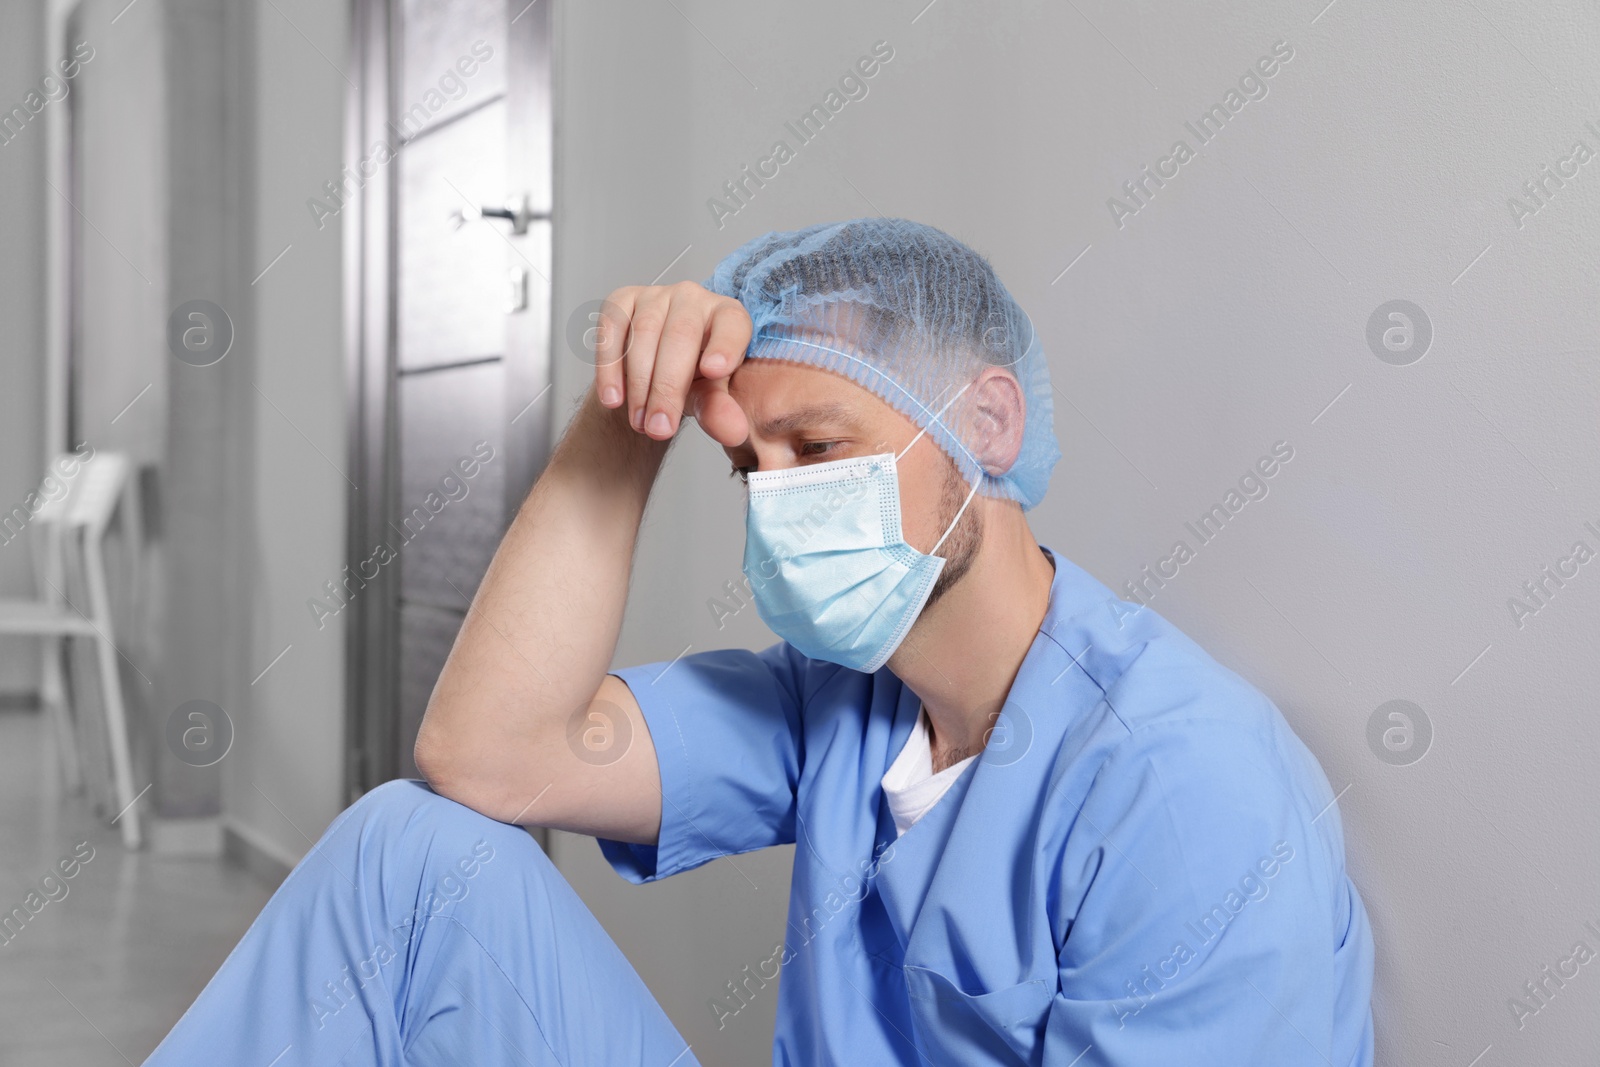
(800, 418)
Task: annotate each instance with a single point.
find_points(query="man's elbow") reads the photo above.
(469, 779)
(435, 761)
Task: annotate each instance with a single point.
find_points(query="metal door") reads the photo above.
(449, 336)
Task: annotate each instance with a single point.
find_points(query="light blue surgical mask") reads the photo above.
(827, 562)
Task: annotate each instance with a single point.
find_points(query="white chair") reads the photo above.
(67, 535)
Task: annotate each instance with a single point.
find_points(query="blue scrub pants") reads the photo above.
(419, 932)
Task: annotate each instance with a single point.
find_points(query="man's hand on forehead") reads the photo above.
(666, 351)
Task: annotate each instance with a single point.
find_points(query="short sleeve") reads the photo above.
(1201, 909)
(726, 729)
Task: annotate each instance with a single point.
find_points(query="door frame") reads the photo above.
(371, 635)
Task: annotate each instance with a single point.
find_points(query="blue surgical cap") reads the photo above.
(911, 314)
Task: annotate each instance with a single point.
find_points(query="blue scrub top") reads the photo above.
(1145, 865)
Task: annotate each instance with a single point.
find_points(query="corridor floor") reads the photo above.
(101, 973)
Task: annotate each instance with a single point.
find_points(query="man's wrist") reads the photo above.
(600, 440)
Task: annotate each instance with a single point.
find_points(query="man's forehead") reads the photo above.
(788, 419)
(781, 398)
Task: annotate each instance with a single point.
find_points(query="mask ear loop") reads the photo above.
(974, 492)
(955, 521)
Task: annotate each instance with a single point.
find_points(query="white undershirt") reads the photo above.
(910, 785)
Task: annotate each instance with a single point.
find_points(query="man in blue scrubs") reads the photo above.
(1034, 824)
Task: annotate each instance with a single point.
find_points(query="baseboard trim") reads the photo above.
(185, 837)
(246, 847)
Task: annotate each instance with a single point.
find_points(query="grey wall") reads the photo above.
(122, 212)
(1228, 313)
(21, 303)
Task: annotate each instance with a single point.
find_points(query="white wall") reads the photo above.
(284, 783)
(1224, 316)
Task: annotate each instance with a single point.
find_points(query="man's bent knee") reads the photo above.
(435, 853)
(407, 810)
(411, 802)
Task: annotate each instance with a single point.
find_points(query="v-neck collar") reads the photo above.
(1041, 705)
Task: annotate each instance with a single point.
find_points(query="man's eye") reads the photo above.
(816, 448)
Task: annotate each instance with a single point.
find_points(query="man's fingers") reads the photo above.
(727, 337)
(609, 331)
(677, 355)
(655, 346)
(639, 359)
(718, 414)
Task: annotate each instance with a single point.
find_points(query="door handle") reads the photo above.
(518, 211)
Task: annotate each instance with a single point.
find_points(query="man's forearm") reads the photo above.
(543, 626)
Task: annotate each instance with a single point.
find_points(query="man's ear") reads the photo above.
(995, 420)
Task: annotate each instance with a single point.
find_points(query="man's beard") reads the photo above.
(960, 548)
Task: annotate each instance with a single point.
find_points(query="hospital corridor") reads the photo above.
(679, 532)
